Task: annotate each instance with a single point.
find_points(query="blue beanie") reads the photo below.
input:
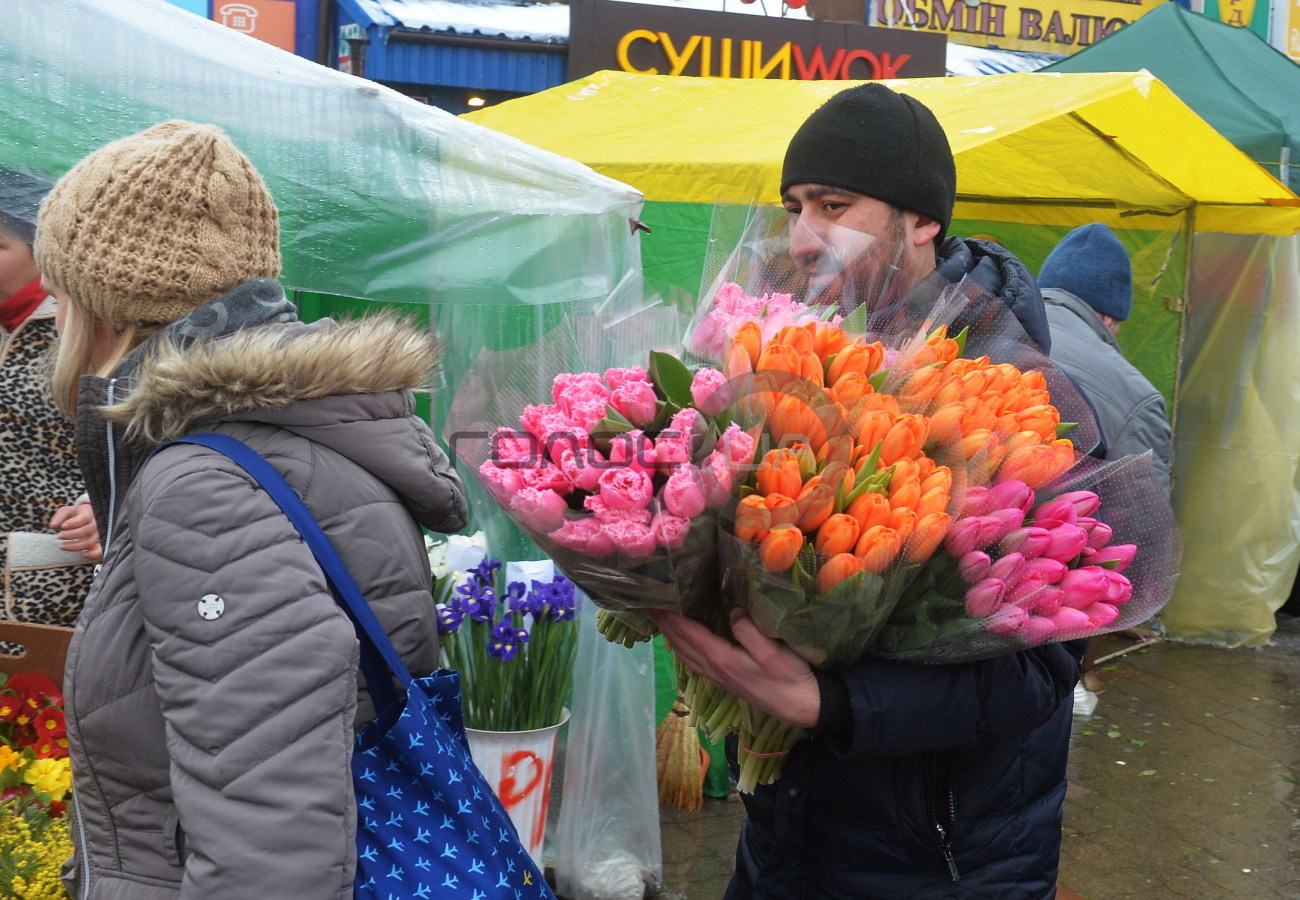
(1092, 264)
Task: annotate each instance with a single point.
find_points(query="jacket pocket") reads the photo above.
(173, 836)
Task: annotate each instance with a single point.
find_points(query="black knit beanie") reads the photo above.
(874, 141)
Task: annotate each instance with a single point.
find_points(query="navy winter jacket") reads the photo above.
(925, 781)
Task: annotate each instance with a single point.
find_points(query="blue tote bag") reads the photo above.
(428, 824)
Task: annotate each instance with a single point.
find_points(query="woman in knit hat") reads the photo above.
(212, 687)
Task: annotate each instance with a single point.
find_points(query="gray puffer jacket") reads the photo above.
(211, 739)
(1130, 411)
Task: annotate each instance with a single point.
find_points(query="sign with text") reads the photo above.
(1243, 14)
(1044, 26)
(658, 40)
(268, 20)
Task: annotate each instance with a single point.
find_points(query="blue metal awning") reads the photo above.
(518, 47)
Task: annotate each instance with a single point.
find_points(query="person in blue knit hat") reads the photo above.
(1087, 284)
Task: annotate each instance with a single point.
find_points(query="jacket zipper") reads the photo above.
(83, 849)
(949, 809)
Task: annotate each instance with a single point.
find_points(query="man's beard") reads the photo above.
(871, 274)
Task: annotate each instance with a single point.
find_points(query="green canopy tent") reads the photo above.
(1230, 76)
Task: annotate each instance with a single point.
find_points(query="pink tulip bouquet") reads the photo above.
(619, 480)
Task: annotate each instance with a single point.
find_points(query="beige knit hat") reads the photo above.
(147, 228)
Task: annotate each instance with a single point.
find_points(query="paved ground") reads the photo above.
(1183, 782)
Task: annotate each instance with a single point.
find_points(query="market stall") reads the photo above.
(1037, 154)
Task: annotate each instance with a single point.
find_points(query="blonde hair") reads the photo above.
(75, 352)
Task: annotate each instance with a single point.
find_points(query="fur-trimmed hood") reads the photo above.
(269, 368)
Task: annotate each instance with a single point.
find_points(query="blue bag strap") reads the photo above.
(376, 649)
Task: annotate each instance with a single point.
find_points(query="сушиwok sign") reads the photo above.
(657, 40)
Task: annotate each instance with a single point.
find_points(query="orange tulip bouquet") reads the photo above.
(913, 499)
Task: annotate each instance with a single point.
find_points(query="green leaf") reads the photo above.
(613, 415)
(671, 377)
(878, 379)
(961, 340)
(1137, 743)
(1112, 733)
(606, 430)
(1065, 427)
(1147, 772)
(1088, 733)
(856, 321)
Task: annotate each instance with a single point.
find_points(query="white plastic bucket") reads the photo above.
(519, 765)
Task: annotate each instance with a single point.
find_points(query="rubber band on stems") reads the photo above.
(749, 752)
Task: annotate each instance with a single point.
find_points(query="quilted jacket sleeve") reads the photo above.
(902, 708)
(254, 667)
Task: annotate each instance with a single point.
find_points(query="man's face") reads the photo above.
(17, 268)
(855, 249)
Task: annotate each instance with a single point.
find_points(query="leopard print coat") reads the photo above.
(41, 475)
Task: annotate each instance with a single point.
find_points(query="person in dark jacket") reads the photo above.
(1087, 284)
(916, 781)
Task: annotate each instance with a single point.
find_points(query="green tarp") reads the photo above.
(1234, 80)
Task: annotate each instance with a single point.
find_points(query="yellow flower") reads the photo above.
(11, 758)
(50, 776)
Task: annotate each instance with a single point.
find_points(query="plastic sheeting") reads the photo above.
(1238, 440)
(381, 197)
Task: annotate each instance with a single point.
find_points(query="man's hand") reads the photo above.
(764, 673)
(77, 530)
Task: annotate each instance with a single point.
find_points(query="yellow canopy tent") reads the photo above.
(1037, 154)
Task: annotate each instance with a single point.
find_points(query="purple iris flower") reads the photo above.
(506, 640)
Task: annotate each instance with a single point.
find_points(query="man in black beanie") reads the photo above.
(870, 183)
(914, 780)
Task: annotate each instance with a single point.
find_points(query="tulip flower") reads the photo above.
(1055, 512)
(947, 422)
(828, 340)
(934, 500)
(1008, 521)
(870, 509)
(919, 389)
(903, 521)
(1099, 533)
(905, 438)
(778, 473)
(1030, 542)
(1045, 602)
(753, 518)
(1012, 493)
(780, 358)
(974, 566)
(978, 502)
(1085, 503)
(539, 511)
(1118, 556)
(816, 501)
(1119, 590)
(1070, 621)
(585, 535)
(682, 494)
(784, 509)
(838, 534)
(1048, 571)
(971, 533)
(1101, 614)
(1008, 568)
(1065, 542)
(1025, 589)
(927, 535)
(1084, 587)
(904, 492)
(878, 547)
(836, 449)
(710, 391)
(836, 569)
(984, 598)
(1008, 620)
(855, 357)
(1038, 464)
(1038, 629)
(779, 549)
